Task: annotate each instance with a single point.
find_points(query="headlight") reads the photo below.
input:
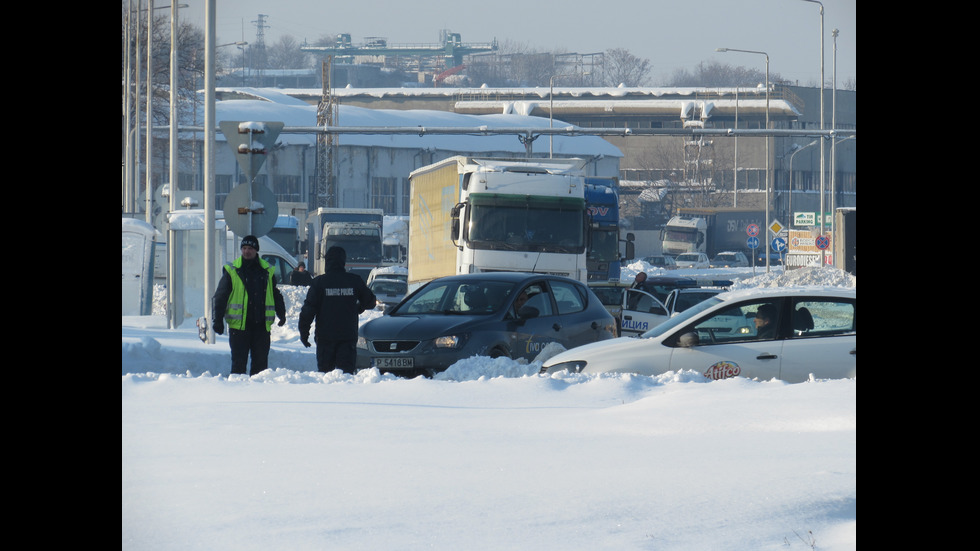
(450, 341)
(361, 342)
(575, 366)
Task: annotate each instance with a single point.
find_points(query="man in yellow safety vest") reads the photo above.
(248, 300)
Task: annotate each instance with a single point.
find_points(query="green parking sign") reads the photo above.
(804, 219)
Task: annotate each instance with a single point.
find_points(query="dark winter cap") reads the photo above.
(251, 241)
(336, 256)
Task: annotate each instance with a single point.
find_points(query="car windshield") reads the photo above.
(686, 300)
(389, 287)
(680, 319)
(454, 297)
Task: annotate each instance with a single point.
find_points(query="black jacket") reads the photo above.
(335, 299)
(255, 279)
(300, 278)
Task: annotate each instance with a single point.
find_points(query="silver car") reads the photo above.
(814, 333)
(389, 292)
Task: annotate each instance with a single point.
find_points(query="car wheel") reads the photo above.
(499, 353)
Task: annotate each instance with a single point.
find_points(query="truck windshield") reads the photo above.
(680, 235)
(605, 245)
(359, 248)
(520, 223)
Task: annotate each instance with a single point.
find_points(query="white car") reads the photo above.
(692, 260)
(730, 259)
(815, 334)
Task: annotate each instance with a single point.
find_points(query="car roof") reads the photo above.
(671, 280)
(514, 277)
(388, 280)
(796, 290)
(688, 290)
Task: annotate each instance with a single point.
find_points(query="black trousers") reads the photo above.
(331, 354)
(254, 340)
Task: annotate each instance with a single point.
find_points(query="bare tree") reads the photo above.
(622, 67)
(190, 63)
(285, 54)
(715, 74)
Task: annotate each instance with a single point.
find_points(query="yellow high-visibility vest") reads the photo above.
(238, 300)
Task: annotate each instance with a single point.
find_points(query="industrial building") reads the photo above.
(658, 173)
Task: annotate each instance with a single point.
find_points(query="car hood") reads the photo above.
(420, 327)
(611, 354)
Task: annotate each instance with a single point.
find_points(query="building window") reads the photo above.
(288, 188)
(385, 193)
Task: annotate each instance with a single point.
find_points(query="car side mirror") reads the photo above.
(688, 340)
(528, 312)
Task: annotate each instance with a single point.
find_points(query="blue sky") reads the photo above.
(672, 34)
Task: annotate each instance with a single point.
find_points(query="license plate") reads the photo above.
(393, 363)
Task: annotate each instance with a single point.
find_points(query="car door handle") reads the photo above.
(766, 357)
(556, 327)
(854, 352)
(595, 325)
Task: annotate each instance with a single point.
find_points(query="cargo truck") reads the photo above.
(358, 231)
(471, 215)
(604, 258)
(285, 232)
(712, 230)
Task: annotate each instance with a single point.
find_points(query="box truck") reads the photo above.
(471, 215)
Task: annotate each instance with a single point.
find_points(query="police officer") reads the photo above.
(247, 298)
(335, 300)
(300, 276)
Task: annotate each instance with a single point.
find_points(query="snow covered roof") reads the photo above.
(274, 105)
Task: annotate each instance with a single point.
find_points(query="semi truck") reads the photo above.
(358, 231)
(604, 258)
(470, 215)
(712, 230)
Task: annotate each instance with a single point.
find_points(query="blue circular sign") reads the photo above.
(822, 242)
(752, 242)
(778, 244)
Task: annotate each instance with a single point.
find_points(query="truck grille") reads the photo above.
(394, 346)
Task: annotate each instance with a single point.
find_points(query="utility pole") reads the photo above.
(324, 193)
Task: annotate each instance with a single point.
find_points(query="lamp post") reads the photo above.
(767, 137)
(822, 255)
(833, 144)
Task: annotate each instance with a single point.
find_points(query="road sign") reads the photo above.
(752, 230)
(822, 242)
(775, 227)
(250, 141)
(251, 209)
(804, 219)
(778, 244)
(752, 242)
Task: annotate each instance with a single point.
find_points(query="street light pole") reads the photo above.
(833, 144)
(149, 113)
(767, 139)
(823, 257)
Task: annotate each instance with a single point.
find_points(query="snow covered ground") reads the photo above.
(489, 455)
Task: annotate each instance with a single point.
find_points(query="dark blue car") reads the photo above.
(498, 314)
